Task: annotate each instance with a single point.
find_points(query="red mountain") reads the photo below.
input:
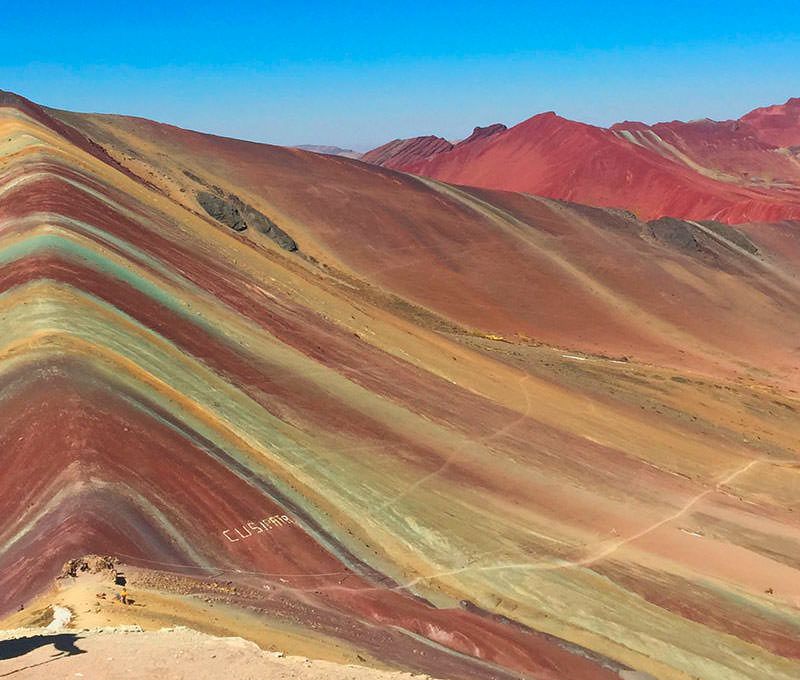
(404, 151)
(731, 171)
(778, 125)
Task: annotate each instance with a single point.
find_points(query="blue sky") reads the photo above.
(357, 74)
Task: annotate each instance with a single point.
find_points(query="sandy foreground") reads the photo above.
(169, 653)
(79, 629)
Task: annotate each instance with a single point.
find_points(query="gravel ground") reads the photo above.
(168, 654)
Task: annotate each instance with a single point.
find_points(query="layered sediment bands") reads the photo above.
(578, 272)
(400, 151)
(509, 499)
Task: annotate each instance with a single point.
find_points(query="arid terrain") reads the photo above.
(733, 171)
(369, 418)
(92, 634)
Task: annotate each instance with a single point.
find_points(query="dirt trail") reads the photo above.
(604, 552)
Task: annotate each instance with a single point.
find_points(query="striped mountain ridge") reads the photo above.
(445, 450)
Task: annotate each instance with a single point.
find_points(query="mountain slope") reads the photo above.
(729, 171)
(778, 125)
(339, 436)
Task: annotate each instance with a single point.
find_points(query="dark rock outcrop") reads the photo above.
(261, 223)
(222, 210)
(708, 239)
(233, 212)
(733, 235)
(676, 233)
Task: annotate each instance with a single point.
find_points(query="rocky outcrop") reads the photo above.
(735, 236)
(676, 233)
(222, 210)
(695, 238)
(483, 133)
(233, 212)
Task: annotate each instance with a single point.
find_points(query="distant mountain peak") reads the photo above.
(483, 133)
(327, 150)
(406, 151)
(702, 169)
(778, 124)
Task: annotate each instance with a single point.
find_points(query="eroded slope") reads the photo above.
(342, 434)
